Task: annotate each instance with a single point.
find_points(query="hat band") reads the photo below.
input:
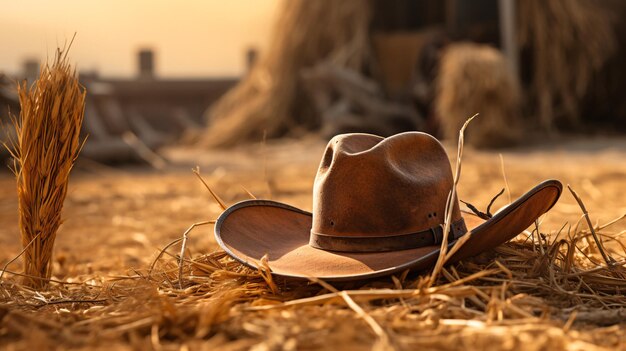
(428, 237)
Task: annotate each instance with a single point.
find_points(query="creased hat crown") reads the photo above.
(368, 186)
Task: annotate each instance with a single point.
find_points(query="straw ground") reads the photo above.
(548, 289)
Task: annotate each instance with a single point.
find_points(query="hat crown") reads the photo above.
(369, 186)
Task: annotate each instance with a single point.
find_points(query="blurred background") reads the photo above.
(219, 74)
(250, 91)
(151, 68)
(191, 39)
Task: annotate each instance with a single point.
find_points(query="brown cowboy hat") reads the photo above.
(378, 208)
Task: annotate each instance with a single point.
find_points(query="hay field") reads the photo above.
(106, 296)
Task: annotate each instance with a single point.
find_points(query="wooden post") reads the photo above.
(508, 37)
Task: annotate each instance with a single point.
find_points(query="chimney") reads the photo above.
(146, 64)
(251, 57)
(31, 70)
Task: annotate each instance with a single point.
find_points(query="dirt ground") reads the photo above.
(117, 218)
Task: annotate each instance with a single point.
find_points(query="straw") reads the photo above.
(47, 145)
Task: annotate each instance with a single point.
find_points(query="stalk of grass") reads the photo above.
(46, 147)
(444, 256)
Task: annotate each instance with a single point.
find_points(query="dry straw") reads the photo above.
(570, 41)
(535, 292)
(47, 144)
(475, 77)
(539, 291)
(270, 99)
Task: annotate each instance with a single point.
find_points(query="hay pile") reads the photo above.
(537, 292)
(270, 99)
(560, 290)
(604, 104)
(473, 79)
(569, 42)
(46, 146)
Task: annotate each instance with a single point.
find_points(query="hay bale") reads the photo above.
(270, 99)
(477, 79)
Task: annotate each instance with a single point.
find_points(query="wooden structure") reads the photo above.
(130, 119)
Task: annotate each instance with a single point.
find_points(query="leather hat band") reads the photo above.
(428, 237)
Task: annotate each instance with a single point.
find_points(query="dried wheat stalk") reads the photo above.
(48, 142)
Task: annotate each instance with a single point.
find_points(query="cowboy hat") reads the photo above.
(378, 208)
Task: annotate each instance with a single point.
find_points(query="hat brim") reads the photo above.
(252, 229)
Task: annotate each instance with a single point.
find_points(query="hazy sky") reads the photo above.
(190, 37)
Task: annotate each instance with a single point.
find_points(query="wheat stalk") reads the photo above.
(48, 142)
